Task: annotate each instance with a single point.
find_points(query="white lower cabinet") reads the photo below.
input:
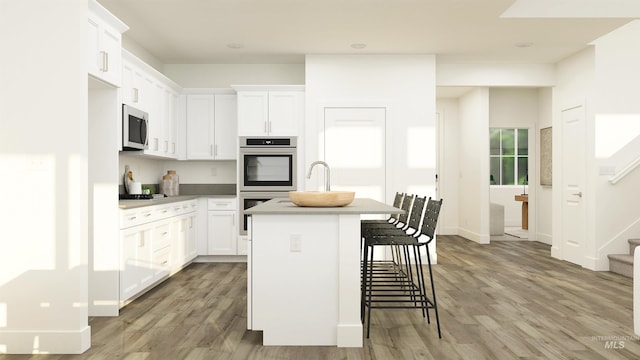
(135, 270)
(222, 231)
(185, 230)
(155, 242)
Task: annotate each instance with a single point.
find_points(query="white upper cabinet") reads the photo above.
(148, 90)
(104, 44)
(211, 127)
(200, 126)
(285, 112)
(253, 113)
(270, 110)
(226, 127)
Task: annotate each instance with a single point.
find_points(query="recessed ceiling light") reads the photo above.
(524, 44)
(235, 45)
(358, 46)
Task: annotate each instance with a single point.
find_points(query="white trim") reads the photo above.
(625, 171)
(46, 341)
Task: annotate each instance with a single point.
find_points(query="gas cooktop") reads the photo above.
(135, 197)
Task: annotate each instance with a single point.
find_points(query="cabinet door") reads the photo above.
(284, 112)
(165, 108)
(179, 227)
(192, 237)
(253, 113)
(173, 124)
(104, 51)
(136, 272)
(153, 103)
(93, 48)
(221, 233)
(200, 127)
(111, 45)
(128, 91)
(226, 127)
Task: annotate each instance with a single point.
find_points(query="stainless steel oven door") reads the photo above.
(251, 199)
(267, 169)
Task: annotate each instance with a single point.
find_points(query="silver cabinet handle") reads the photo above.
(135, 95)
(578, 194)
(106, 62)
(103, 66)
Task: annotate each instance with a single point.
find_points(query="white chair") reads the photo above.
(496, 212)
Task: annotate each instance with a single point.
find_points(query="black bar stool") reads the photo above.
(412, 291)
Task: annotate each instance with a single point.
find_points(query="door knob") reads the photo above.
(578, 194)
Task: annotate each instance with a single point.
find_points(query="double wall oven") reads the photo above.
(267, 171)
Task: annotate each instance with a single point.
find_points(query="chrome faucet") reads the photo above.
(327, 173)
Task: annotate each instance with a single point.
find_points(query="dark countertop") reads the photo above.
(132, 204)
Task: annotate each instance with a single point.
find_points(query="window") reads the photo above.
(508, 151)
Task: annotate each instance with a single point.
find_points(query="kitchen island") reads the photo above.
(304, 272)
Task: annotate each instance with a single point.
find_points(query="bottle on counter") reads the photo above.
(175, 183)
(170, 185)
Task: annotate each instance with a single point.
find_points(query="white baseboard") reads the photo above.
(473, 236)
(45, 341)
(220, 258)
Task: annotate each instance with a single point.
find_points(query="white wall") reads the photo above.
(403, 84)
(150, 171)
(474, 165)
(141, 53)
(575, 86)
(448, 164)
(510, 75)
(543, 213)
(43, 174)
(616, 132)
(225, 75)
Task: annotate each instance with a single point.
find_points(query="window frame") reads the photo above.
(516, 156)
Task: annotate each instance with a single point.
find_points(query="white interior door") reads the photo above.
(354, 148)
(573, 180)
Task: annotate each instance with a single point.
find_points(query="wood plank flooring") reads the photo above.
(506, 300)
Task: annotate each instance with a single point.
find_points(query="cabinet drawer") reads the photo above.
(161, 236)
(162, 263)
(165, 211)
(131, 218)
(221, 204)
(192, 205)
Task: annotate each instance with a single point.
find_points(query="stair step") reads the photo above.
(621, 264)
(633, 243)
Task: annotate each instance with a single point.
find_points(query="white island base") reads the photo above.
(304, 272)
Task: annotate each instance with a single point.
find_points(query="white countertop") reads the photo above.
(358, 206)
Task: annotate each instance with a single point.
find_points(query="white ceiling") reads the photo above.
(283, 31)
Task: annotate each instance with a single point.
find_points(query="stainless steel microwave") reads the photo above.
(135, 124)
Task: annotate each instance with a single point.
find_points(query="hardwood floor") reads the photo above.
(506, 300)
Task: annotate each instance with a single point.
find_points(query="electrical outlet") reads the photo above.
(295, 243)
